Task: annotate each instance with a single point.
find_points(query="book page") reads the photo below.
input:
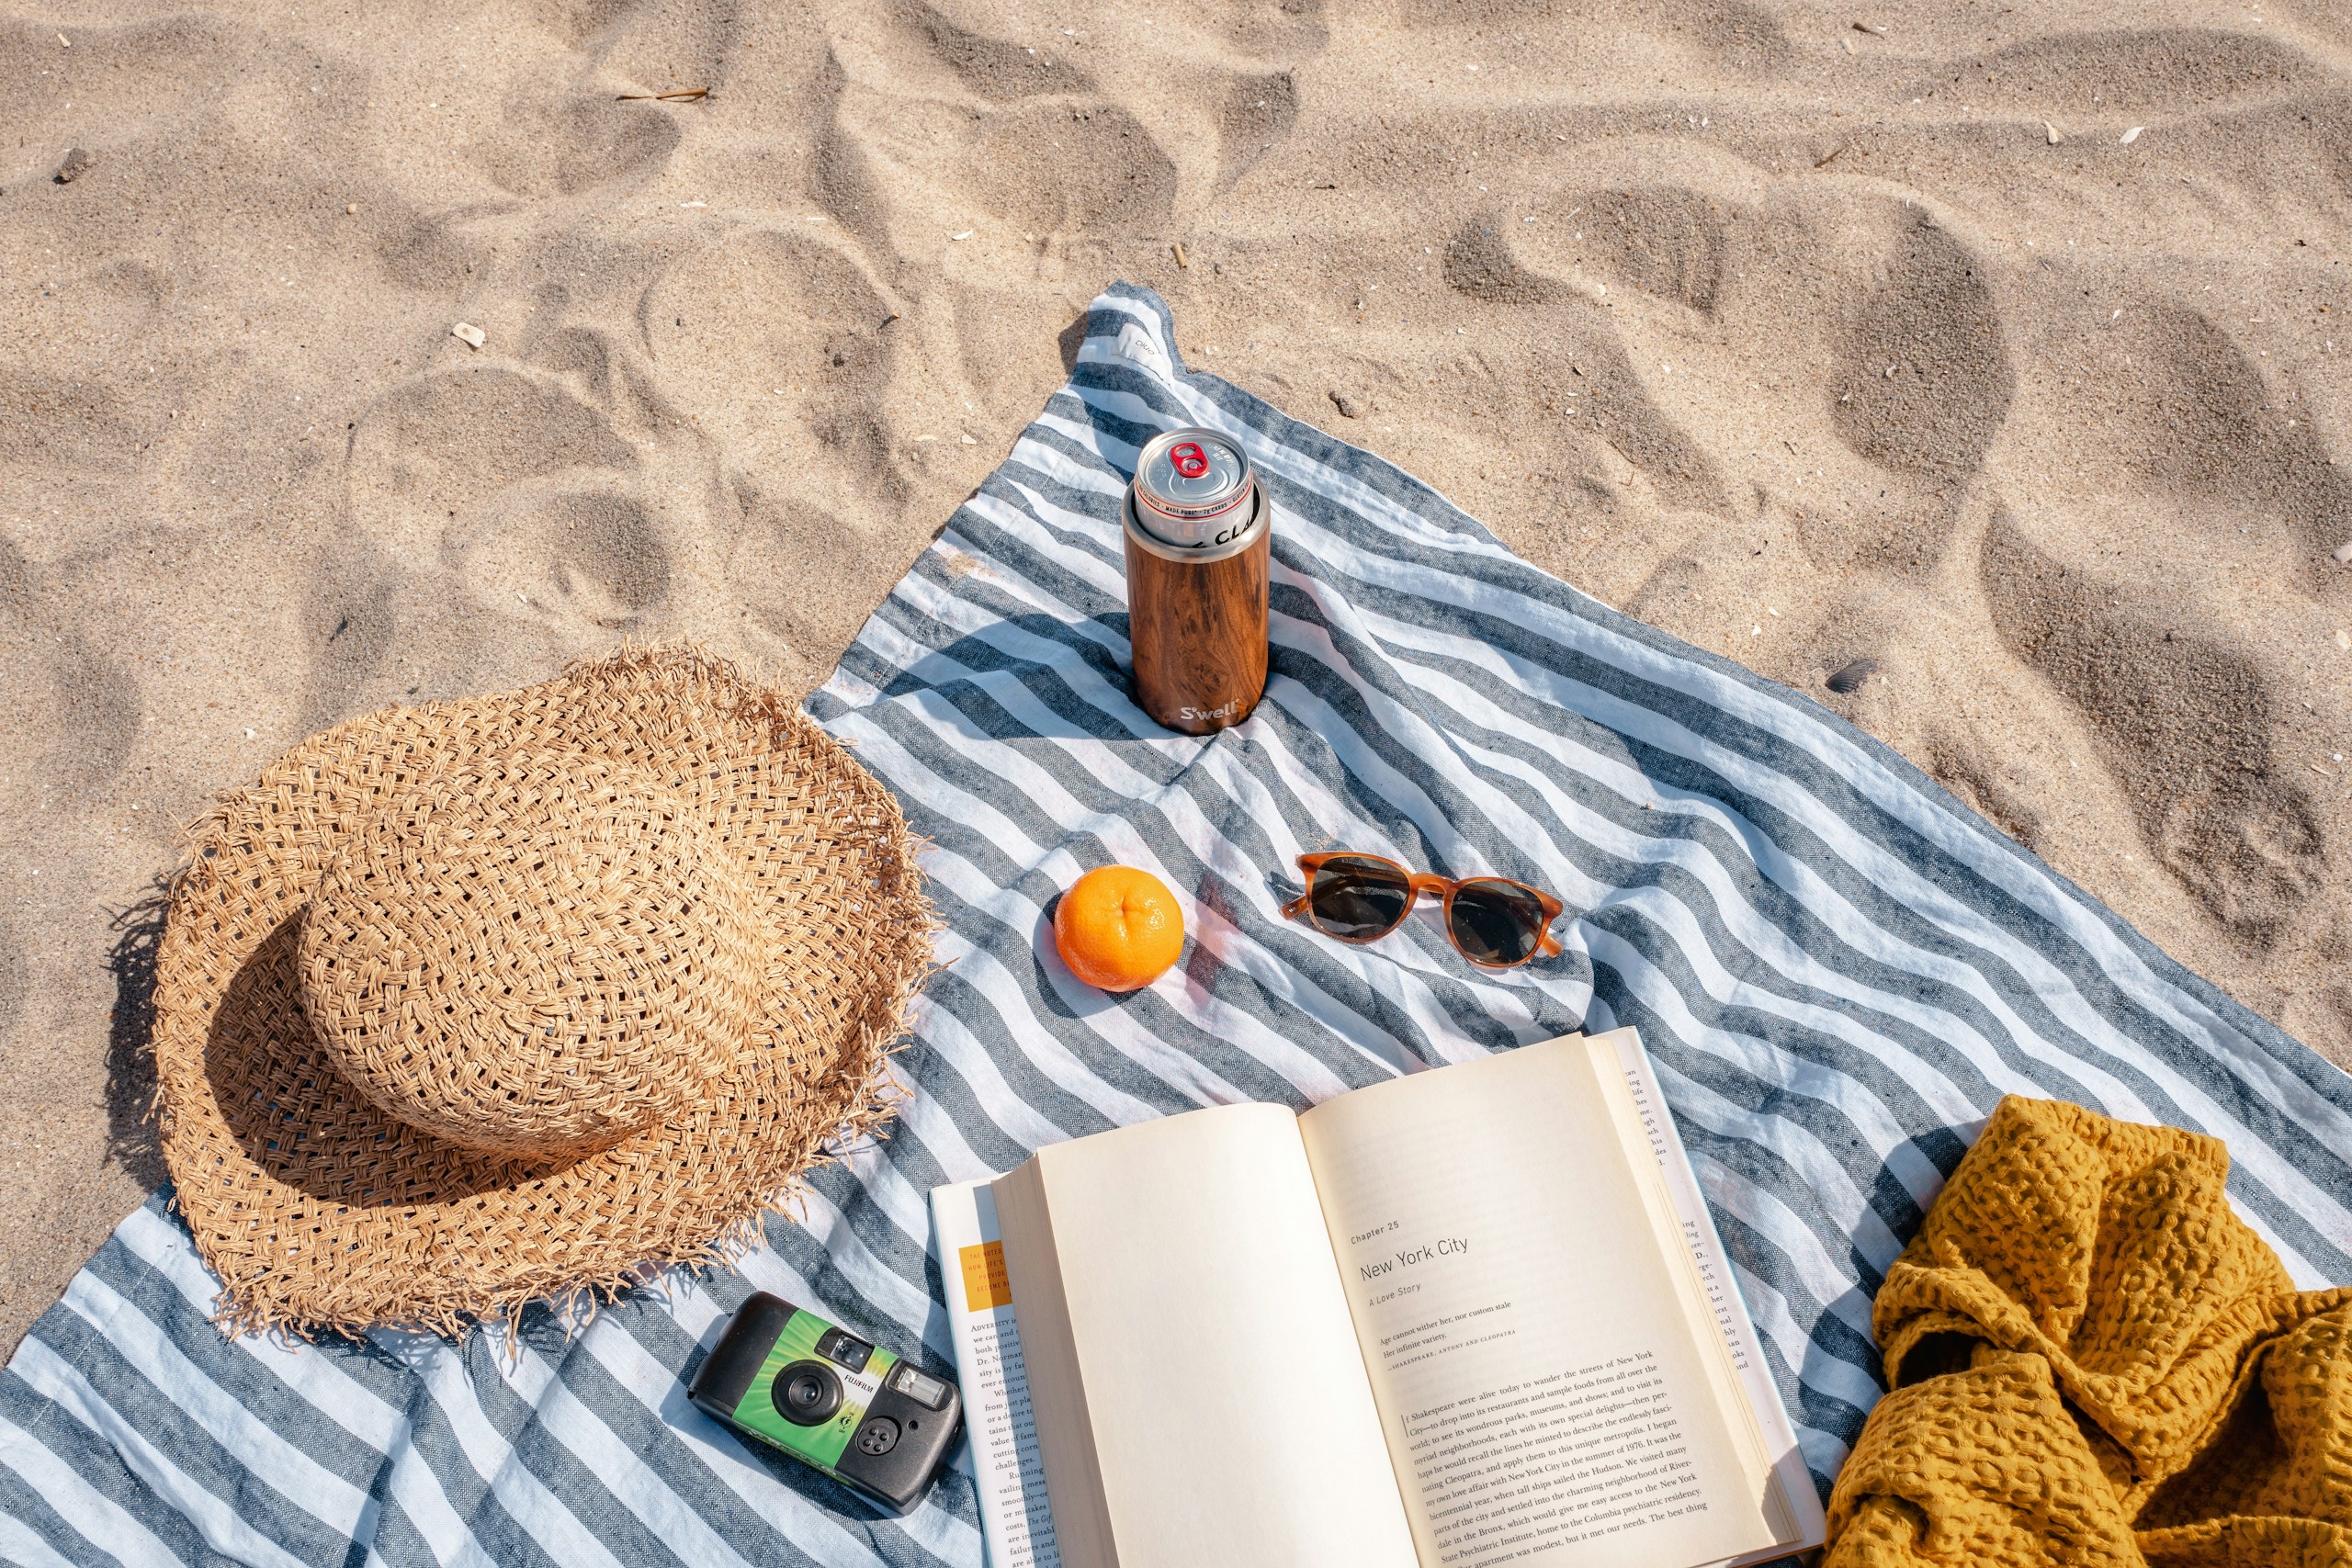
(1532, 1347)
(1705, 1312)
(999, 1427)
(1198, 1394)
(1796, 1493)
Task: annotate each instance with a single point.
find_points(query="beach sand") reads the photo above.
(1983, 352)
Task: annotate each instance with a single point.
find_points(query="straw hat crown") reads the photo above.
(535, 956)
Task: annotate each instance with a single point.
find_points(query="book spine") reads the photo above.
(1007, 1472)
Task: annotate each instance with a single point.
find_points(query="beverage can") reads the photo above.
(1194, 488)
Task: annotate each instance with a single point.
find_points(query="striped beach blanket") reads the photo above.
(1838, 970)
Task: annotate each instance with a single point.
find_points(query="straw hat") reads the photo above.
(467, 1004)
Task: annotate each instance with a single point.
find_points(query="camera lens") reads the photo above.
(806, 1394)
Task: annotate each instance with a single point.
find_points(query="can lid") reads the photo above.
(1191, 475)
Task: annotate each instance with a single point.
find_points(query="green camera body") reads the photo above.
(878, 1425)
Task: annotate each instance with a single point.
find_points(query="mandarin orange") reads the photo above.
(1118, 928)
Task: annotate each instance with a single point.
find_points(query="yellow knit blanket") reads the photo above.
(2095, 1362)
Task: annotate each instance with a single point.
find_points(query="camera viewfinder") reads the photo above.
(844, 1349)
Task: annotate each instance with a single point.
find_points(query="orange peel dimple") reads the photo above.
(1119, 927)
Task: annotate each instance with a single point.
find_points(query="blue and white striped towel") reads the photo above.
(1838, 970)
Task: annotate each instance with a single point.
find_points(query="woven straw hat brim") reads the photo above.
(319, 1211)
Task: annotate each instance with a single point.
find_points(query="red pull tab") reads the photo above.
(1189, 460)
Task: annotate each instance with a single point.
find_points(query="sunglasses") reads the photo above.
(1493, 921)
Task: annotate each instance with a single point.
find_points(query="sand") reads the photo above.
(1985, 354)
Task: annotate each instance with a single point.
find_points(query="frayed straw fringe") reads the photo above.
(743, 1233)
(258, 1298)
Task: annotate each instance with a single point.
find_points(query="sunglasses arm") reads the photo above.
(1546, 945)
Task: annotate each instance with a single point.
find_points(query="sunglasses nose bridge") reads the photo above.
(1434, 887)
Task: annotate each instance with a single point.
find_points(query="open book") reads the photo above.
(1471, 1316)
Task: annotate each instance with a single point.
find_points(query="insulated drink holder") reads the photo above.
(1196, 621)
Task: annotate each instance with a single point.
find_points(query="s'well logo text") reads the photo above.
(1225, 710)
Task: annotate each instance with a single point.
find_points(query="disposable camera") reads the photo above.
(879, 1426)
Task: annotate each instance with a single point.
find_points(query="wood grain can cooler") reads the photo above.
(1199, 535)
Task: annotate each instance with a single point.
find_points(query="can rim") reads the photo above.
(1260, 521)
(1177, 510)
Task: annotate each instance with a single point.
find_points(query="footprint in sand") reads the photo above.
(841, 174)
(780, 346)
(1072, 168)
(72, 407)
(1918, 388)
(1923, 380)
(1583, 386)
(2185, 722)
(1660, 238)
(601, 555)
(72, 708)
(2141, 397)
(1480, 265)
(781, 349)
(1043, 148)
(74, 714)
(562, 142)
(488, 498)
(1275, 29)
(995, 68)
(565, 131)
(436, 447)
(505, 509)
(2144, 71)
(1258, 112)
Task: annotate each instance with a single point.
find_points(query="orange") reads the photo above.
(1118, 928)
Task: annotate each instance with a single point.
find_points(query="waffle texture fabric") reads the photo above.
(465, 1005)
(2097, 1364)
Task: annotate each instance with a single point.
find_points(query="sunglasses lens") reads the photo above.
(1355, 896)
(1497, 922)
